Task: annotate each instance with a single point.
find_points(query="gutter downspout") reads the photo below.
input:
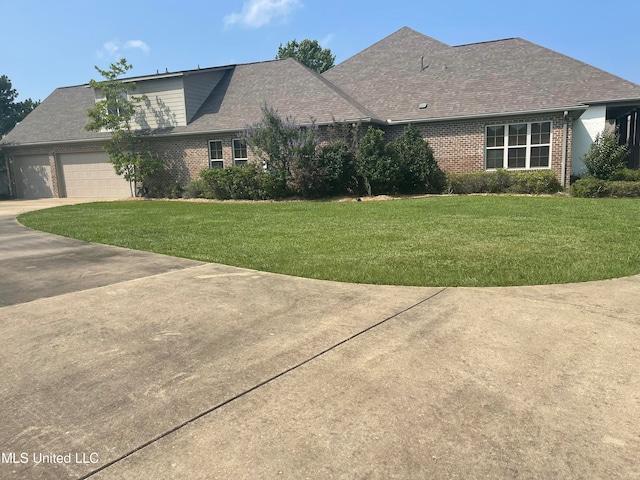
(565, 134)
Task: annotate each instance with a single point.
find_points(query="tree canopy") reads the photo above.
(309, 53)
(12, 112)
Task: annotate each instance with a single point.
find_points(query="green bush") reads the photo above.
(376, 164)
(419, 171)
(246, 182)
(605, 156)
(590, 187)
(626, 175)
(534, 182)
(196, 189)
(165, 190)
(328, 171)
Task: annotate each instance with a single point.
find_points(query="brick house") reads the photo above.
(500, 104)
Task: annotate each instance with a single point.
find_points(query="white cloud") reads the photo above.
(257, 13)
(324, 43)
(113, 48)
(137, 44)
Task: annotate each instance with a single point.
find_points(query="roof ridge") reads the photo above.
(488, 41)
(340, 92)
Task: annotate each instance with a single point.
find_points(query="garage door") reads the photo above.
(33, 176)
(91, 175)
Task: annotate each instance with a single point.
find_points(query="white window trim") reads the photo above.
(233, 148)
(505, 147)
(220, 160)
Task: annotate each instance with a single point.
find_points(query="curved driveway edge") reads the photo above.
(36, 264)
(219, 372)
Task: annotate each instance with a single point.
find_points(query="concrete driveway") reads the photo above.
(205, 371)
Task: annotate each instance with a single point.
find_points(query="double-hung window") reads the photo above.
(239, 151)
(518, 146)
(215, 154)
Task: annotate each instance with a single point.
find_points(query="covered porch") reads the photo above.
(626, 118)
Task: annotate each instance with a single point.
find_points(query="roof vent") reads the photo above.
(422, 106)
(422, 65)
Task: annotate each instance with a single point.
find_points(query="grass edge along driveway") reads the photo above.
(436, 241)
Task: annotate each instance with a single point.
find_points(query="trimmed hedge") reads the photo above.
(626, 175)
(247, 182)
(502, 181)
(590, 187)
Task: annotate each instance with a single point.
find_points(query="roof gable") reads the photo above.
(390, 54)
(406, 69)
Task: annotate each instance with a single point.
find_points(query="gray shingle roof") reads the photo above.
(407, 68)
(236, 102)
(60, 117)
(388, 80)
(286, 85)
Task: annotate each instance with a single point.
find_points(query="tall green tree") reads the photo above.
(11, 112)
(131, 155)
(309, 53)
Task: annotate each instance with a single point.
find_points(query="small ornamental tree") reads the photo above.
(131, 155)
(605, 156)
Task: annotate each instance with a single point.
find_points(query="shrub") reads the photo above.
(196, 189)
(605, 156)
(246, 182)
(339, 161)
(534, 182)
(590, 187)
(326, 171)
(376, 165)
(419, 171)
(165, 190)
(465, 183)
(626, 175)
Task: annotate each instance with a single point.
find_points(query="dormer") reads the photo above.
(172, 99)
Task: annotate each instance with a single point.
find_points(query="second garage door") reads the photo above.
(91, 175)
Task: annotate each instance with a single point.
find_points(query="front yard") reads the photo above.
(439, 241)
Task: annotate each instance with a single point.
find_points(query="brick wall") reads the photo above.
(458, 146)
(185, 157)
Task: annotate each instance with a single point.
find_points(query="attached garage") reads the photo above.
(89, 174)
(33, 176)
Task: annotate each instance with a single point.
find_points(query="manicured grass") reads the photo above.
(439, 241)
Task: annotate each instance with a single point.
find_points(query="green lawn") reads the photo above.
(438, 241)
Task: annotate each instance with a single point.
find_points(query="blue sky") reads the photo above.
(57, 43)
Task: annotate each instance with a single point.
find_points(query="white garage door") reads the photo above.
(33, 176)
(91, 175)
